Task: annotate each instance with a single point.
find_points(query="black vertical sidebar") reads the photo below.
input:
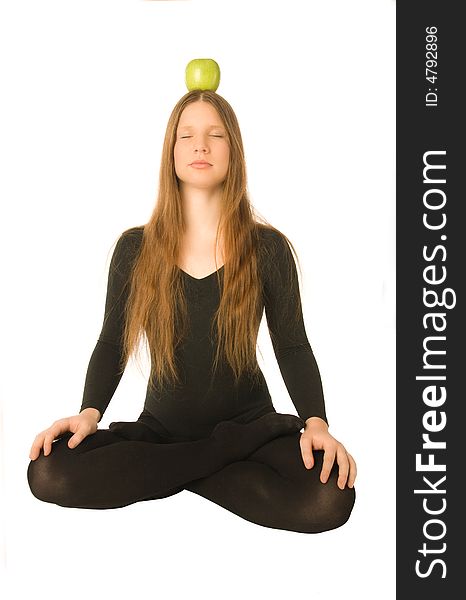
(431, 259)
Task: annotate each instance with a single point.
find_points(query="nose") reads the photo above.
(200, 144)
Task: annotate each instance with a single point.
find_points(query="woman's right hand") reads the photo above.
(81, 425)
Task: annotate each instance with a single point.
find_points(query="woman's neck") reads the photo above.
(201, 213)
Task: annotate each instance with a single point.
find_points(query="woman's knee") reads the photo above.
(323, 506)
(48, 476)
(329, 510)
(338, 505)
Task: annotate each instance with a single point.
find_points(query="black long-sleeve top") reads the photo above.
(192, 409)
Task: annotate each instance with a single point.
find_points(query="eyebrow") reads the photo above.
(210, 127)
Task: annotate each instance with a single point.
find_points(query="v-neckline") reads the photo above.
(201, 278)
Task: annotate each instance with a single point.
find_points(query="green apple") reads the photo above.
(202, 74)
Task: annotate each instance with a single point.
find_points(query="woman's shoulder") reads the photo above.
(135, 232)
(273, 243)
(131, 237)
(273, 253)
(128, 245)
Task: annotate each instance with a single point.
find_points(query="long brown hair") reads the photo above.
(156, 310)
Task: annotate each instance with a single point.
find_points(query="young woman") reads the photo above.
(193, 284)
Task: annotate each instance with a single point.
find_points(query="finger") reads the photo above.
(343, 467)
(83, 431)
(49, 437)
(308, 458)
(306, 452)
(36, 446)
(329, 459)
(76, 439)
(353, 471)
(51, 434)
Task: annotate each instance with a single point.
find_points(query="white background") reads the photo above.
(87, 91)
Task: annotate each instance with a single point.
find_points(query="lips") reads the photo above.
(200, 165)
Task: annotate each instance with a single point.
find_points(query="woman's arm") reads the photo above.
(106, 367)
(284, 316)
(102, 378)
(299, 367)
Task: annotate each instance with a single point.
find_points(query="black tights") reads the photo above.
(254, 470)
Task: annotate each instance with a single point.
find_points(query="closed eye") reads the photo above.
(188, 136)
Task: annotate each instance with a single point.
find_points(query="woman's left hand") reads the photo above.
(316, 436)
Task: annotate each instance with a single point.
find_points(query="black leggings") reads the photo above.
(255, 470)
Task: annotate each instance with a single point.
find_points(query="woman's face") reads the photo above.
(201, 136)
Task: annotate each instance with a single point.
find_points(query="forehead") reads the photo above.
(200, 113)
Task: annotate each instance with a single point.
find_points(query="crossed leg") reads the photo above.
(130, 462)
(253, 470)
(273, 488)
